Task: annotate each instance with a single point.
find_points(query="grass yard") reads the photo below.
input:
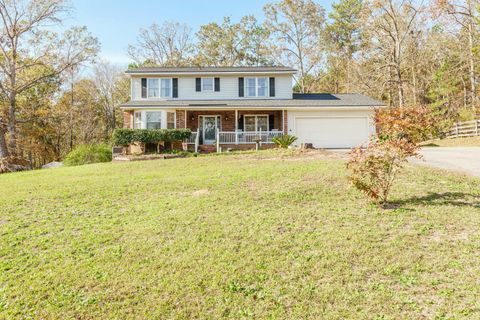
(454, 142)
(258, 236)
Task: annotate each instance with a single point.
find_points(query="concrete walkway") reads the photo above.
(462, 159)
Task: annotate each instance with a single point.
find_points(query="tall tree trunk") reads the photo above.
(471, 59)
(3, 143)
(12, 124)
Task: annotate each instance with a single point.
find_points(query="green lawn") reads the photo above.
(454, 142)
(242, 236)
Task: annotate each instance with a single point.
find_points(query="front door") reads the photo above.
(209, 129)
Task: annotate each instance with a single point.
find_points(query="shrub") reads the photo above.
(374, 168)
(399, 130)
(125, 137)
(284, 141)
(88, 153)
(415, 124)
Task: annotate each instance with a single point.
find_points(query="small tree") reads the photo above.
(373, 169)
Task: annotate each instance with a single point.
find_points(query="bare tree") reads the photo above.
(465, 15)
(29, 54)
(391, 27)
(112, 89)
(296, 27)
(169, 44)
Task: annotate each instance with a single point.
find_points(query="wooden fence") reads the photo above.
(465, 129)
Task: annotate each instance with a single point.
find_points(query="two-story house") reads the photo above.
(235, 106)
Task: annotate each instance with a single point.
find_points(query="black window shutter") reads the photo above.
(240, 123)
(175, 87)
(198, 84)
(144, 87)
(217, 84)
(272, 87)
(240, 87)
(271, 122)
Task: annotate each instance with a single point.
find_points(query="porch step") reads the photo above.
(207, 148)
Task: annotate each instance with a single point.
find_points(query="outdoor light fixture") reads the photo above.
(226, 118)
(193, 118)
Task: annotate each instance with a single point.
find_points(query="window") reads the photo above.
(256, 87)
(251, 87)
(256, 123)
(159, 88)
(166, 88)
(170, 120)
(262, 87)
(154, 120)
(137, 120)
(207, 84)
(153, 90)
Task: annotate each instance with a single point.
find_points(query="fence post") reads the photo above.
(456, 129)
(476, 127)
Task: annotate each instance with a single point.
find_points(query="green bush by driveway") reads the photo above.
(263, 236)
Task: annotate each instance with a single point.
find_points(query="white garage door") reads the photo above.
(332, 132)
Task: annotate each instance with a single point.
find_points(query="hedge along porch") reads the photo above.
(236, 129)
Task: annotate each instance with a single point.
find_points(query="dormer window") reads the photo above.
(256, 87)
(207, 84)
(159, 88)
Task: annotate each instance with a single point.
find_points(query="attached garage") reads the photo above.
(331, 129)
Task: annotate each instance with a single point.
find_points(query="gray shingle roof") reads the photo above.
(325, 100)
(209, 69)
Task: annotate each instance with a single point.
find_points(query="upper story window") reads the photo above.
(159, 88)
(207, 84)
(256, 87)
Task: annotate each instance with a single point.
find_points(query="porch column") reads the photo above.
(236, 126)
(185, 119)
(283, 121)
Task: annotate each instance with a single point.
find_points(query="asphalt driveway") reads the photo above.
(463, 159)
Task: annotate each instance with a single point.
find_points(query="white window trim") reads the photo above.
(213, 84)
(256, 121)
(160, 88)
(267, 91)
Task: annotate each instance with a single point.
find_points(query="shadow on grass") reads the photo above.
(458, 199)
(430, 145)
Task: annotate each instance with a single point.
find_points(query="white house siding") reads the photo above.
(331, 128)
(228, 87)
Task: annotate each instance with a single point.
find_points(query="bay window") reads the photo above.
(137, 120)
(256, 123)
(256, 87)
(154, 120)
(170, 120)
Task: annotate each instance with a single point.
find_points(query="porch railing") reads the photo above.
(229, 137)
(194, 139)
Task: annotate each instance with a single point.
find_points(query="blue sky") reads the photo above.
(116, 22)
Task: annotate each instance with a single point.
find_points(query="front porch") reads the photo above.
(236, 129)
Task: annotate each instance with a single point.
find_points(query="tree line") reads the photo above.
(402, 52)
